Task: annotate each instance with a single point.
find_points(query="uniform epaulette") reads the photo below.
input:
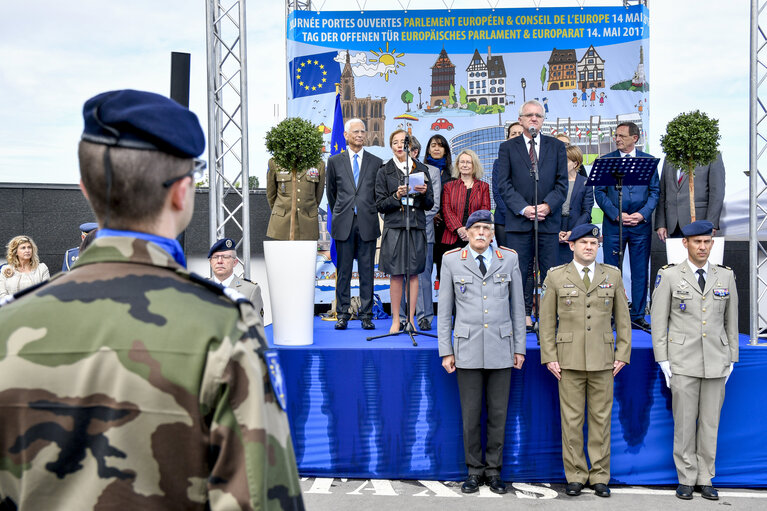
(558, 267)
(725, 267)
(507, 248)
(667, 266)
(247, 280)
(610, 266)
(454, 250)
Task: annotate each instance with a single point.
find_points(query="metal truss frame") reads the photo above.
(228, 124)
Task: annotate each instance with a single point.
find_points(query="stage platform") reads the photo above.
(385, 409)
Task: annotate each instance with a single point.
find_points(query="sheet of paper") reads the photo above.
(416, 179)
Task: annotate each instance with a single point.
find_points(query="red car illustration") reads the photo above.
(442, 124)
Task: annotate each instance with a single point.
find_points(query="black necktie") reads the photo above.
(482, 266)
(701, 280)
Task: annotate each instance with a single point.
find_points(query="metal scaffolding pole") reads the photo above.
(228, 124)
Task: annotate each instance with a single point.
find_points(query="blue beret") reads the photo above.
(698, 228)
(583, 230)
(222, 245)
(481, 215)
(88, 227)
(142, 120)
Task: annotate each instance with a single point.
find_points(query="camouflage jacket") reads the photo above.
(129, 383)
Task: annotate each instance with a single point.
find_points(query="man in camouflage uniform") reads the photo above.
(162, 398)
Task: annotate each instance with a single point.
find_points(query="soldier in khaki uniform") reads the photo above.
(310, 185)
(583, 354)
(695, 342)
(223, 258)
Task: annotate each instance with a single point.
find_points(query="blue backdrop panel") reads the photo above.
(386, 409)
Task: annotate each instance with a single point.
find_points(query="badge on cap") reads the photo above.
(275, 376)
(595, 231)
(229, 244)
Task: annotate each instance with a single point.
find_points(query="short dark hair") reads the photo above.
(137, 195)
(633, 128)
(508, 129)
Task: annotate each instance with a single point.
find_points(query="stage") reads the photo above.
(385, 409)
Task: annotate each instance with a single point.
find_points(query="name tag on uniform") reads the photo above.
(568, 285)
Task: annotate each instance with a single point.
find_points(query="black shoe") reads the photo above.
(640, 324)
(684, 492)
(574, 489)
(367, 324)
(341, 323)
(601, 490)
(496, 484)
(708, 492)
(424, 324)
(471, 484)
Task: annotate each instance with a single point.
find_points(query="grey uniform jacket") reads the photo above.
(489, 310)
(696, 332)
(252, 292)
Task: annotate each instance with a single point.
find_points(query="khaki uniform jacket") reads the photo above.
(696, 332)
(251, 291)
(584, 340)
(489, 310)
(310, 185)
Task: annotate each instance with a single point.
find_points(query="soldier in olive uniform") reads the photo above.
(310, 185)
(695, 341)
(167, 397)
(484, 287)
(583, 355)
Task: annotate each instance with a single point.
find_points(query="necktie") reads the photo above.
(356, 170)
(681, 175)
(532, 151)
(482, 266)
(701, 280)
(586, 279)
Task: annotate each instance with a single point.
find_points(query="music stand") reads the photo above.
(618, 172)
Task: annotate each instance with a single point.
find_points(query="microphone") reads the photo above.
(533, 131)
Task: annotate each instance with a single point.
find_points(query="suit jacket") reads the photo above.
(499, 215)
(581, 203)
(454, 202)
(310, 185)
(583, 340)
(489, 310)
(344, 196)
(517, 186)
(388, 179)
(642, 199)
(674, 203)
(701, 339)
(436, 189)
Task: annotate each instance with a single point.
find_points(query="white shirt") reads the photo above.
(537, 146)
(359, 157)
(695, 269)
(226, 281)
(580, 267)
(633, 153)
(401, 165)
(487, 255)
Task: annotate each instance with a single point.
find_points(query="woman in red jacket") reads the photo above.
(462, 197)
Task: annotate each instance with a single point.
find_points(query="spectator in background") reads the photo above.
(24, 268)
(438, 155)
(499, 215)
(462, 197)
(73, 253)
(564, 138)
(576, 209)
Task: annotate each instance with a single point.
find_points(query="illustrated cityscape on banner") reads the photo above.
(465, 73)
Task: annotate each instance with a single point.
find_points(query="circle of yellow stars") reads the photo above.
(300, 69)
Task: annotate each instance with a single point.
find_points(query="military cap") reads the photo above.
(142, 120)
(222, 245)
(584, 230)
(88, 227)
(481, 215)
(698, 228)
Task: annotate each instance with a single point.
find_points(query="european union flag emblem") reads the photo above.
(276, 377)
(314, 74)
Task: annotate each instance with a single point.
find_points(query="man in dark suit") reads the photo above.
(517, 187)
(639, 202)
(351, 177)
(673, 211)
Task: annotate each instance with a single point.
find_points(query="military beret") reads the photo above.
(88, 227)
(481, 215)
(698, 228)
(142, 120)
(582, 231)
(222, 245)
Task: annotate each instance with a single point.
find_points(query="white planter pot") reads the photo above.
(676, 253)
(290, 270)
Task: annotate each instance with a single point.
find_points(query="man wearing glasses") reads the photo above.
(223, 259)
(517, 183)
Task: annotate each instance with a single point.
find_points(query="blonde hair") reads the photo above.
(477, 171)
(12, 255)
(574, 153)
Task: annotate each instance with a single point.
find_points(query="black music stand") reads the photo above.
(618, 172)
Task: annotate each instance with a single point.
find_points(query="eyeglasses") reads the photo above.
(196, 173)
(222, 257)
(624, 136)
(539, 116)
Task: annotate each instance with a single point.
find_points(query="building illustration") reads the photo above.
(591, 70)
(562, 67)
(370, 111)
(486, 80)
(442, 77)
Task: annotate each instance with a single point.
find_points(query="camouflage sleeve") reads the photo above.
(253, 465)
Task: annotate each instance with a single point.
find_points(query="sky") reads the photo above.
(55, 55)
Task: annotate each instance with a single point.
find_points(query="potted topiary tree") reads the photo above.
(295, 145)
(691, 140)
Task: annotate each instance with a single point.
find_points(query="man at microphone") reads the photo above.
(517, 182)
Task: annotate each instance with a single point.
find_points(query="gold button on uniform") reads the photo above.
(704, 322)
(485, 325)
(484, 283)
(484, 297)
(704, 334)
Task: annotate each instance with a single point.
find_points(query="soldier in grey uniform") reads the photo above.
(695, 342)
(223, 258)
(583, 355)
(310, 185)
(485, 287)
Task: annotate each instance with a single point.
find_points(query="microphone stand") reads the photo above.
(536, 265)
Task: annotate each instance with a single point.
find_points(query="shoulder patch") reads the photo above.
(452, 251)
(657, 280)
(272, 360)
(498, 254)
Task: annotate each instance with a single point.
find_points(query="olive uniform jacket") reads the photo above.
(696, 332)
(584, 340)
(310, 185)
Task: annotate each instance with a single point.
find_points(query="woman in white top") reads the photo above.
(24, 268)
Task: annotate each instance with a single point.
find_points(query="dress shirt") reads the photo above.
(225, 282)
(580, 267)
(487, 255)
(695, 269)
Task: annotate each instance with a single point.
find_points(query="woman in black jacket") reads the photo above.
(399, 257)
